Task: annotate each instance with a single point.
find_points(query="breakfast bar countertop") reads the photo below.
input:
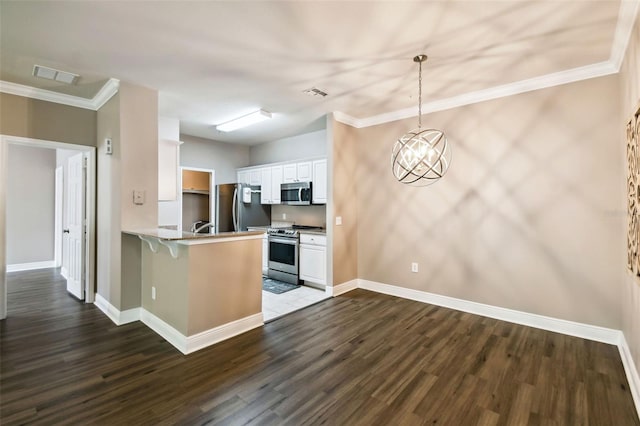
(175, 235)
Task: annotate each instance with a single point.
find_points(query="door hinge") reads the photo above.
(84, 162)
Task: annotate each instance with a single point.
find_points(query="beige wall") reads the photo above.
(630, 94)
(108, 194)
(30, 204)
(224, 158)
(33, 118)
(225, 283)
(345, 188)
(130, 120)
(306, 145)
(139, 145)
(527, 218)
(208, 285)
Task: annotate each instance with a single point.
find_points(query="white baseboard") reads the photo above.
(223, 332)
(630, 369)
(585, 331)
(16, 267)
(339, 289)
(190, 344)
(64, 272)
(115, 315)
(167, 332)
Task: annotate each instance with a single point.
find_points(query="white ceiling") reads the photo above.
(212, 61)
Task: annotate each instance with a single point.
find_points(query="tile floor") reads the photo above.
(276, 305)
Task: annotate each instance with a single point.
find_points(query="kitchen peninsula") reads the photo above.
(198, 289)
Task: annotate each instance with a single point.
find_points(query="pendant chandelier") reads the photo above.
(420, 157)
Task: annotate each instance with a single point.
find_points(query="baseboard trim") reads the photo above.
(167, 332)
(194, 343)
(17, 267)
(585, 331)
(343, 288)
(223, 332)
(64, 272)
(118, 317)
(630, 369)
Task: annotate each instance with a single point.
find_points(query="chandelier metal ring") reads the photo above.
(420, 157)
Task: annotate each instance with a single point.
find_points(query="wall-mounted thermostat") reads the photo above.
(108, 146)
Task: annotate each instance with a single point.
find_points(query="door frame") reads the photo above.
(212, 193)
(57, 232)
(89, 152)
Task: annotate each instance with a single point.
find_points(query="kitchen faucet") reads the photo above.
(196, 230)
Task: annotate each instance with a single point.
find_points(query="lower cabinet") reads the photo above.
(313, 258)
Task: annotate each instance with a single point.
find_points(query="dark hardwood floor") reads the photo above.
(358, 359)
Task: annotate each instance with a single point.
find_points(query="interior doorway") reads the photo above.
(72, 245)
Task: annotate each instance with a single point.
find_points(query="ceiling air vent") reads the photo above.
(314, 91)
(53, 74)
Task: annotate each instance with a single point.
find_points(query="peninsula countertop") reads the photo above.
(176, 235)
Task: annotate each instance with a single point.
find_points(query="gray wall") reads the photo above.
(30, 204)
(313, 144)
(224, 158)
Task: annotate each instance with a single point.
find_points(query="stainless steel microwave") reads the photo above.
(296, 193)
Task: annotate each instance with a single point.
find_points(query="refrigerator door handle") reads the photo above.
(234, 209)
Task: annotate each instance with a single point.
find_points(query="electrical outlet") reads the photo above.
(153, 293)
(414, 267)
(108, 146)
(284, 216)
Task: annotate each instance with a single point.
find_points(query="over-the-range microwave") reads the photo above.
(296, 193)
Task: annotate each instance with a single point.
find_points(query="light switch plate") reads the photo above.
(338, 220)
(138, 197)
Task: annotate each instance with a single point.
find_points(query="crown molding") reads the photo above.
(626, 20)
(627, 16)
(555, 79)
(109, 89)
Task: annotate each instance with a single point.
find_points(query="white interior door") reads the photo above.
(76, 220)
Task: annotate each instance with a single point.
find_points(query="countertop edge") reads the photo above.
(173, 235)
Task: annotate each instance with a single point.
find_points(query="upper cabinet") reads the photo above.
(271, 176)
(319, 188)
(297, 172)
(243, 177)
(270, 185)
(168, 158)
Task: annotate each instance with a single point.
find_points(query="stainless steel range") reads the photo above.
(283, 253)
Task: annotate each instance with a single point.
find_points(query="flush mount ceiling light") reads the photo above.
(420, 157)
(54, 74)
(244, 121)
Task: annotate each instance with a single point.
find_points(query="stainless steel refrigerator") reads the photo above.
(238, 207)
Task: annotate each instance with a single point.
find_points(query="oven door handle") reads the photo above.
(290, 241)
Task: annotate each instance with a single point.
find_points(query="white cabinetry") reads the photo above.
(313, 258)
(270, 185)
(243, 177)
(255, 177)
(304, 171)
(276, 181)
(266, 193)
(168, 163)
(289, 173)
(297, 172)
(319, 189)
